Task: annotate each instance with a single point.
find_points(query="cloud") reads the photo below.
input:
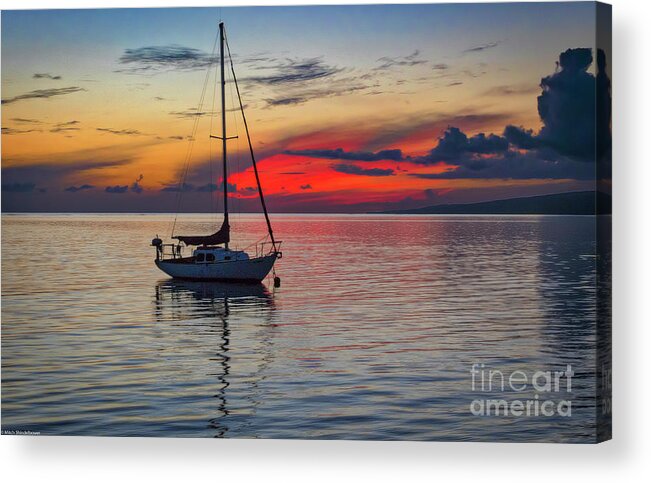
(191, 113)
(521, 137)
(440, 67)
(11, 131)
(356, 170)
(43, 94)
(286, 101)
(83, 187)
(18, 187)
(47, 76)
(290, 82)
(568, 109)
(135, 187)
(565, 144)
(306, 186)
(567, 105)
(65, 164)
(189, 187)
(120, 132)
(117, 189)
(155, 59)
(184, 187)
(481, 48)
(306, 95)
(401, 61)
(291, 71)
(21, 120)
(513, 165)
(339, 153)
(454, 145)
(65, 127)
(455, 83)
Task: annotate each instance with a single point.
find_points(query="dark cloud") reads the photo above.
(513, 165)
(64, 129)
(191, 113)
(440, 67)
(43, 94)
(567, 105)
(189, 187)
(306, 186)
(521, 137)
(21, 120)
(291, 82)
(117, 189)
(401, 61)
(135, 187)
(154, 59)
(18, 187)
(64, 165)
(455, 83)
(286, 101)
(481, 48)
(120, 132)
(184, 187)
(388, 154)
(356, 170)
(11, 131)
(454, 145)
(291, 71)
(212, 187)
(75, 189)
(305, 95)
(47, 76)
(568, 109)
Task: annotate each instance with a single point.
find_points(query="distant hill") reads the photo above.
(573, 203)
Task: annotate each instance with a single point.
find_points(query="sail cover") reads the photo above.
(223, 235)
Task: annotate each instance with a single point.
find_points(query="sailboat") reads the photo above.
(212, 259)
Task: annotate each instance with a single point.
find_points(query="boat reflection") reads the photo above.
(185, 299)
(240, 315)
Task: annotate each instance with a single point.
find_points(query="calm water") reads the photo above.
(371, 335)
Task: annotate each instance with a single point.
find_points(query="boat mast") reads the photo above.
(224, 139)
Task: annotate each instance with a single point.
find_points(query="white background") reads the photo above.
(627, 457)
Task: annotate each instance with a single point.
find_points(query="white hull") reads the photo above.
(250, 270)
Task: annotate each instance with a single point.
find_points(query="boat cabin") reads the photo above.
(218, 254)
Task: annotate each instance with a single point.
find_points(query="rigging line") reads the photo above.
(248, 137)
(237, 203)
(195, 125)
(184, 172)
(211, 192)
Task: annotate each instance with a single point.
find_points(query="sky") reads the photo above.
(350, 108)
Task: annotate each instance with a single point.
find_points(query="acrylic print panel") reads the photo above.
(385, 222)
